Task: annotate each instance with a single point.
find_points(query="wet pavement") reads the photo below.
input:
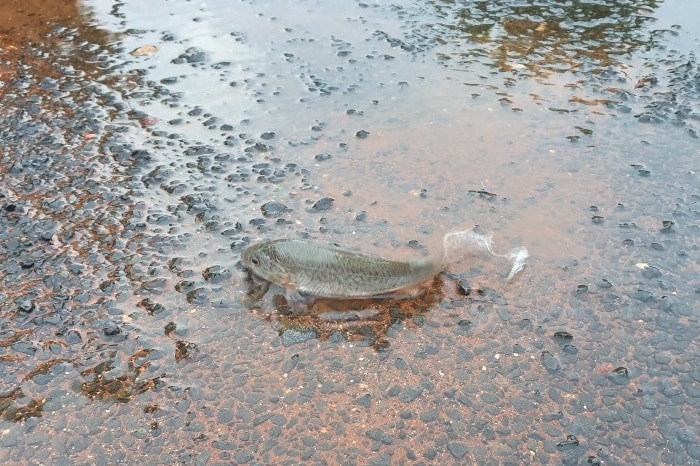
(144, 146)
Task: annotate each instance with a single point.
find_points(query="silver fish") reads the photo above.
(309, 268)
(331, 272)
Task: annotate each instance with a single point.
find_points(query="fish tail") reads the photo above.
(459, 242)
(519, 257)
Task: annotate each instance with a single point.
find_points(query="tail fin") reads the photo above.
(461, 241)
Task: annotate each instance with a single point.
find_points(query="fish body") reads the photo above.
(332, 272)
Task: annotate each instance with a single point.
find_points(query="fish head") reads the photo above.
(261, 260)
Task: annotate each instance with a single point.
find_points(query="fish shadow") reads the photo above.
(365, 321)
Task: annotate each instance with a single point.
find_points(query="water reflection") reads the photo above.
(598, 54)
(536, 39)
(53, 26)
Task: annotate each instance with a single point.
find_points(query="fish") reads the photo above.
(326, 271)
(305, 267)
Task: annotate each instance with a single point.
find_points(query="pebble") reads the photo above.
(25, 305)
(651, 271)
(570, 443)
(380, 436)
(242, 457)
(291, 364)
(293, 336)
(430, 416)
(551, 363)
(643, 295)
(503, 313)
(323, 204)
(192, 55)
(563, 337)
(273, 209)
(463, 287)
(489, 295)
(410, 394)
(458, 450)
(365, 401)
(688, 435)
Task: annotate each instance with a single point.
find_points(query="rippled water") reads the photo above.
(142, 140)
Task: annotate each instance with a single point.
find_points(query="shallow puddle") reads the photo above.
(146, 144)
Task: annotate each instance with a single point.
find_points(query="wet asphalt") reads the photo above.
(132, 177)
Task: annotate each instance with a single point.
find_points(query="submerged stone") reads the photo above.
(293, 336)
(563, 337)
(273, 209)
(570, 442)
(550, 363)
(323, 204)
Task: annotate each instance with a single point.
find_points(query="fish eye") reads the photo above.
(255, 261)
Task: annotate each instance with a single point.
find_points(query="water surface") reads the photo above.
(143, 141)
